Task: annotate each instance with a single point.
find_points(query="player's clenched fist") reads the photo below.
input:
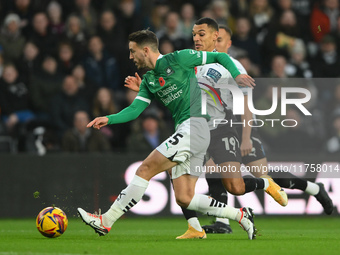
(98, 122)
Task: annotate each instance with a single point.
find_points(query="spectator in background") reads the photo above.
(239, 8)
(149, 132)
(260, 13)
(221, 13)
(64, 105)
(332, 103)
(243, 39)
(83, 139)
(252, 69)
(42, 35)
(66, 60)
(101, 67)
(298, 66)
(130, 19)
(172, 31)
(279, 67)
(333, 144)
(25, 10)
(105, 104)
(187, 20)
(166, 46)
(14, 99)
(282, 37)
(88, 15)
(11, 40)
(86, 88)
(44, 85)
(295, 138)
(55, 16)
(282, 6)
(29, 62)
(270, 134)
(112, 34)
(74, 33)
(324, 18)
(327, 62)
(158, 14)
(1, 64)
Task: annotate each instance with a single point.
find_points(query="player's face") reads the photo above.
(204, 37)
(223, 41)
(137, 55)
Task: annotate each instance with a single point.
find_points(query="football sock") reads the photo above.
(211, 207)
(217, 191)
(290, 181)
(195, 223)
(127, 198)
(188, 214)
(312, 188)
(252, 184)
(216, 188)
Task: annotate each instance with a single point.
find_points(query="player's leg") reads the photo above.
(290, 181)
(164, 157)
(155, 163)
(258, 165)
(184, 188)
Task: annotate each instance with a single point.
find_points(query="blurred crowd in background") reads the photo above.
(63, 62)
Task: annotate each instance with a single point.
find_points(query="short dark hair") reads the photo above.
(209, 21)
(145, 37)
(226, 28)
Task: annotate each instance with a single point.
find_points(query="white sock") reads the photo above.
(223, 220)
(126, 200)
(312, 188)
(266, 183)
(195, 223)
(212, 207)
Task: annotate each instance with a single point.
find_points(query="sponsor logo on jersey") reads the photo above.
(214, 74)
(169, 71)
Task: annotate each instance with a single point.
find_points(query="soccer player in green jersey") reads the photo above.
(172, 81)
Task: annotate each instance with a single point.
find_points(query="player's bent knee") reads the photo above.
(183, 201)
(144, 172)
(236, 188)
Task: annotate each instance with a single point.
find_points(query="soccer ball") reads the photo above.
(52, 222)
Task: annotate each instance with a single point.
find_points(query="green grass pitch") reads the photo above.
(277, 235)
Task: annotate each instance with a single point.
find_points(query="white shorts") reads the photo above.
(187, 146)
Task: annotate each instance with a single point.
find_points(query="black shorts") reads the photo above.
(257, 152)
(224, 145)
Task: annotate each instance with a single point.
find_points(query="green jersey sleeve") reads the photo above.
(141, 102)
(188, 59)
(129, 113)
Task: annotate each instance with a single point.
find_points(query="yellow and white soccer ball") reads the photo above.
(52, 222)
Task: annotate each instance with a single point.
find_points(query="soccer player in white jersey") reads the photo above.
(253, 154)
(224, 148)
(171, 81)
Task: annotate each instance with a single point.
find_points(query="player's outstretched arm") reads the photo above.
(244, 80)
(133, 83)
(98, 122)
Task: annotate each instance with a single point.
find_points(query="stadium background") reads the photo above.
(60, 61)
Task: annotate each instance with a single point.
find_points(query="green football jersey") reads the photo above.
(174, 84)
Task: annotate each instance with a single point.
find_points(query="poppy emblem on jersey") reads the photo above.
(161, 81)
